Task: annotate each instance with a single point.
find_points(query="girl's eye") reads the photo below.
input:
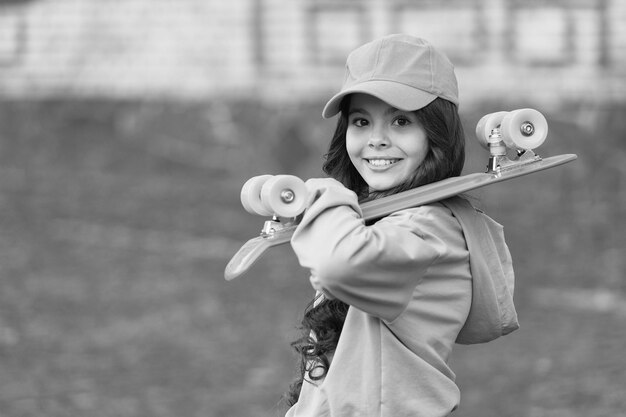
(402, 121)
(359, 122)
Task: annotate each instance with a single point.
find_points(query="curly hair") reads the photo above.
(445, 158)
(321, 327)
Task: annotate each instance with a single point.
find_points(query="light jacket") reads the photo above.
(417, 281)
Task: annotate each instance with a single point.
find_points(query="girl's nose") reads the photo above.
(378, 139)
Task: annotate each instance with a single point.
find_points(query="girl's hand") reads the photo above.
(318, 186)
(328, 192)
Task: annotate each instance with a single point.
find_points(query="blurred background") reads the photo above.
(127, 128)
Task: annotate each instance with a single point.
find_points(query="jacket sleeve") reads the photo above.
(373, 268)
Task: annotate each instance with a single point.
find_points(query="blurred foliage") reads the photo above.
(119, 217)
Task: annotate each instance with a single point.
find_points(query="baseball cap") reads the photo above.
(404, 71)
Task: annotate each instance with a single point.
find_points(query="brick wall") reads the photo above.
(526, 50)
(125, 47)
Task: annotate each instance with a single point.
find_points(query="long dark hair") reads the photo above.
(321, 326)
(445, 158)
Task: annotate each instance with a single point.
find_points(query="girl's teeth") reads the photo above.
(381, 162)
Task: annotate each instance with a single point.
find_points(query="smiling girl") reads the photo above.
(395, 295)
(386, 145)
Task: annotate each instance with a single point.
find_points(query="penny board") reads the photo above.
(254, 248)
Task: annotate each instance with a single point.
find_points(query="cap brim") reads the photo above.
(400, 96)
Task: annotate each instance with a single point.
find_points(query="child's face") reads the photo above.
(386, 145)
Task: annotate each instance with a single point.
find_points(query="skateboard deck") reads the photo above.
(272, 198)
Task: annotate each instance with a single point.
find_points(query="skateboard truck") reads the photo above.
(498, 159)
(275, 226)
(287, 196)
(283, 197)
(497, 150)
(270, 226)
(521, 130)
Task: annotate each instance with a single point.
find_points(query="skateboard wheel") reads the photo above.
(486, 124)
(284, 195)
(524, 129)
(251, 195)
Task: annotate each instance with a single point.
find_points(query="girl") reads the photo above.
(394, 296)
